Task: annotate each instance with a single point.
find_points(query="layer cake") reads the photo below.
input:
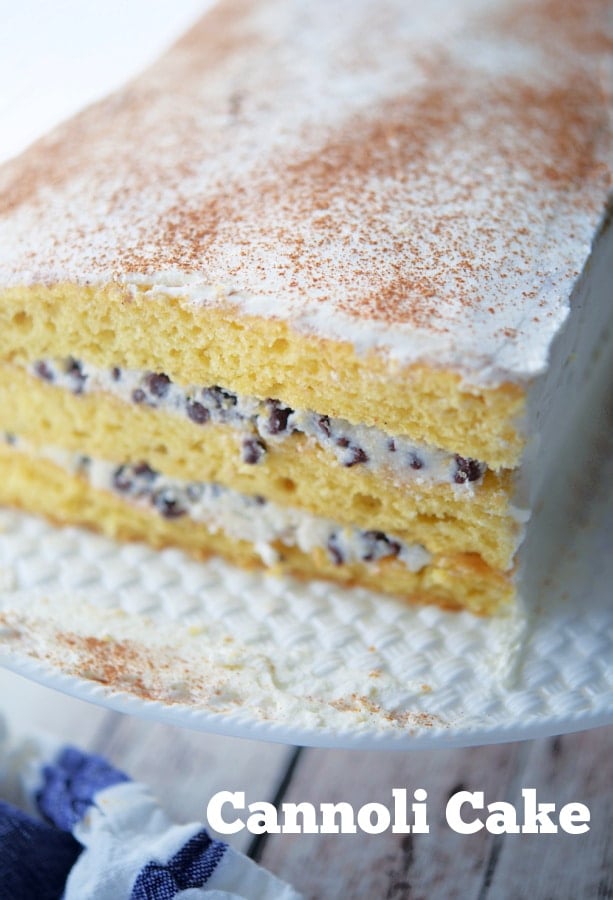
(308, 293)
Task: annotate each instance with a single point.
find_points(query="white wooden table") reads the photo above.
(185, 768)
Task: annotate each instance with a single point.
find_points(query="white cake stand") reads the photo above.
(208, 647)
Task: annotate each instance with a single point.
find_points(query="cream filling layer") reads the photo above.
(222, 509)
(261, 422)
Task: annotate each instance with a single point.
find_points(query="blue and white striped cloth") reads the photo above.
(82, 830)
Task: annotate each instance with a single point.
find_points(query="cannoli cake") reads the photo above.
(307, 294)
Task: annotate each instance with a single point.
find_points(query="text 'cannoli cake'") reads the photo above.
(304, 293)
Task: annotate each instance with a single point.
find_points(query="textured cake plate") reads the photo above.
(212, 648)
(207, 647)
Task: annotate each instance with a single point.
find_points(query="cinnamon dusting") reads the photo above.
(404, 177)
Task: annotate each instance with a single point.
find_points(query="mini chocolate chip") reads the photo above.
(324, 425)
(342, 442)
(116, 373)
(144, 471)
(139, 396)
(253, 450)
(75, 370)
(335, 552)
(357, 455)
(277, 416)
(467, 469)
(391, 445)
(122, 479)
(379, 546)
(259, 500)
(158, 384)
(43, 371)
(168, 503)
(197, 412)
(415, 461)
(220, 398)
(134, 478)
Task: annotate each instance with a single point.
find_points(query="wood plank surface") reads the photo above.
(391, 865)
(186, 768)
(579, 768)
(444, 864)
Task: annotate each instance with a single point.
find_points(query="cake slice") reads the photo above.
(306, 293)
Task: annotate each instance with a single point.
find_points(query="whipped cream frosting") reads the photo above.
(423, 180)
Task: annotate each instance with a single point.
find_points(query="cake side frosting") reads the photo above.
(425, 182)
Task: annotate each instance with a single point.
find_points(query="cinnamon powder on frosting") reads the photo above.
(440, 170)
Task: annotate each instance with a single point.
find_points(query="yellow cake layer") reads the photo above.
(261, 357)
(294, 472)
(38, 485)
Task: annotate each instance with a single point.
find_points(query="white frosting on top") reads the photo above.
(419, 179)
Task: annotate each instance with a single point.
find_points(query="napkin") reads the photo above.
(79, 829)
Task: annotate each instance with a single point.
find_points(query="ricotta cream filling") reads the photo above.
(268, 421)
(222, 509)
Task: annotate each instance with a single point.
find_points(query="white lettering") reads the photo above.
(506, 822)
(454, 807)
(461, 814)
(573, 813)
(536, 817)
(213, 811)
(308, 813)
(400, 826)
(329, 824)
(381, 814)
(263, 818)
(420, 812)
